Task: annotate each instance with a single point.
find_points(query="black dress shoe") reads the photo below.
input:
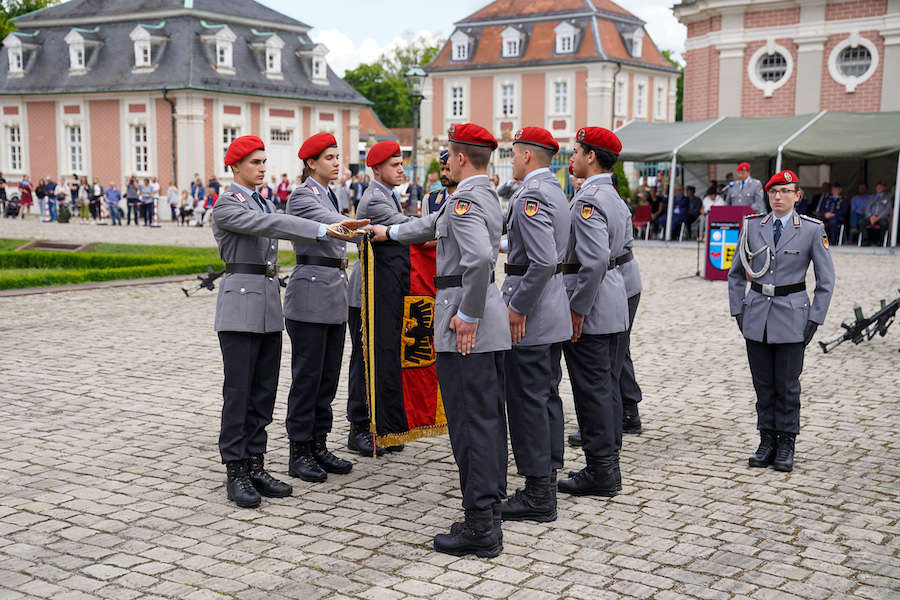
(328, 461)
(631, 418)
(238, 486)
(476, 535)
(784, 456)
(575, 440)
(601, 477)
(397, 448)
(534, 502)
(765, 454)
(360, 441)
(303, 464)
(264, 483)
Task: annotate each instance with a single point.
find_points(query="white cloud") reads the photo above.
(344, 53)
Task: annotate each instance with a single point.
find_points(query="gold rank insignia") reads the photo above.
(825, 240)
(587, 210)
(462, 207)
(531, 207)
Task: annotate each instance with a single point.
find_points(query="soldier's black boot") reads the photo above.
(575, 439)
(361, 441)
(394, 448)
(239, 487)
(328, 461)
(477, 535)
(631, 418)
(264, 483)
(765, 454)
(534, 502)
(303, 464)
(498, 521)
(784, 455)
(600, 478)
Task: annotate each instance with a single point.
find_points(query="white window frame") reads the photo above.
(140, 149)
(507, 100)
(461, 99)
(318, 65)
(851, 82)
(224, 40)
(274, 46)
(640, 98)
(460, 45)
(565, 38)
(16, 60)
(15, 152)
(659, 101)
(563, 108)
(637, 42)
(229, 134)
(75, 148)
(769, 87)
(512, 42)
(621, 90)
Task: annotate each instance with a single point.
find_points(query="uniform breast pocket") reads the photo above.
(242, 305)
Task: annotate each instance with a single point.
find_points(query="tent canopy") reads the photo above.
(841, 136)
(735, 139)
(654, 142)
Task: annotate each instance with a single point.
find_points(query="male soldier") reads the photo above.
(599, 311)
(537, 223)
(834, 210)
(471, 333)
(877, 215)
(775, 316)
(381, 206)
(249, 319)
(436, 199)
(746, 191)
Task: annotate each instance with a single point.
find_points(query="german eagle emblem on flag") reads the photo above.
(531, 207)
(587, 210)
(462, 207)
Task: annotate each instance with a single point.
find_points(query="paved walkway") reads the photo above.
(111, 487)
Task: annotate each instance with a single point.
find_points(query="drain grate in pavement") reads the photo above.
(57, 246)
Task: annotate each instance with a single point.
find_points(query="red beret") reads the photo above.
(744, 166)
(382, 151)
(314, 146)
(599, 137)
(241, 147)
(472, 134)
(537, 136)
(782, 178)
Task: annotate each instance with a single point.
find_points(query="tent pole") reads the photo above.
(791, 139)
(896, 205)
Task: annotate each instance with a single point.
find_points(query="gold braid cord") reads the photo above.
(367, 266)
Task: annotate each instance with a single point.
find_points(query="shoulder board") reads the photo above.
(534, 183)
(755, 215)
(816, 221)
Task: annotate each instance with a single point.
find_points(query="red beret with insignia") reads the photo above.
(783, 178)
(599, 137)
(382, 151)
(744, 166)
(536, 136)
(471, 134)
(314, 146)
(241, 147)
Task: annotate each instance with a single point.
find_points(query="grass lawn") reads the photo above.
(107, 262)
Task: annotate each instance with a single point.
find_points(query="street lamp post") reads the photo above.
(415, 81)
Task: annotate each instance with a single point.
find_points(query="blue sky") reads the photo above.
(358, 31)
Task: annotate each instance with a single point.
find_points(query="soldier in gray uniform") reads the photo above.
(537, 224)
(471, 333)
(599, 310)
(775, 315)
(249, 320)
(745, 191)
(315, 310)
(379, 204)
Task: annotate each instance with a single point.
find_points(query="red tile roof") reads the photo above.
(370, 124)
(514, 8)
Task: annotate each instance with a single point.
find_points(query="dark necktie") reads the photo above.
(396, 200)
(778, 228)
(333, 199)
(260, 203)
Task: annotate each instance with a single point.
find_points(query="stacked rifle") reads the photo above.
(865, 328)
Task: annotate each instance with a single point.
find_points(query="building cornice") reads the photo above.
(703, 9)
(560, 16)
(502, 70)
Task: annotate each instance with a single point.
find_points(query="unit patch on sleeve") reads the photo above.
(825, 240)
(462, 207)
(531, 207)
(587, 210)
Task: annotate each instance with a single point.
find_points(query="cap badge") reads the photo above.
(451, 131)
(579, 137)
(519, 134)
(787, 177)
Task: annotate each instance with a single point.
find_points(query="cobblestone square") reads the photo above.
(112, 485)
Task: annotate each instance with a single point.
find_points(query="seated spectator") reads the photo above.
(858, 205)
(694, 207)
(834, 212)
(877, 218)
(680, 206)
(815, 207)
(710, 199)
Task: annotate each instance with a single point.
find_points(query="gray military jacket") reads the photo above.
(537, 223)
(630, 271)
(246, 234)
(468, 229)
(316, 294)
(380, 208)
(782, 318)
(750, 195)
(599, 224)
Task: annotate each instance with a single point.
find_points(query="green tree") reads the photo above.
(383, 83)
(433, 167)
(622, 182)
(10, 9)
(679, 93)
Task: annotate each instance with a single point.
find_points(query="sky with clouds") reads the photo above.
(359, 31)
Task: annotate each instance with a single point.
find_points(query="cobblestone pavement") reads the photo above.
(111, 486)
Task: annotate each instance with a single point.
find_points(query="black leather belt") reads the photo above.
(321, 261)
(448, 281)
(251, 269)
(570, 268)
(767, 289)
(621, 260)
(520, 269)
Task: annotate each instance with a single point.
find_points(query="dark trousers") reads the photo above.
(147, 212)
(628, 385)
(357, 409)
(316, 351)
(776, 372)
(833, 226)
(94, 207)
(251, 362)
(594, 363)
(534, 408)
(133, 208)
(872, 233)
(472, 392)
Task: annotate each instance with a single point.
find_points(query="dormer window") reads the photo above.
(635, 40)
(224, 40)
(512, 42)
(16, 62)
(319, 69)
(565, 38)
(460, 43)
(274, 46)
(76, 52)
(17, 53)
(144, 44)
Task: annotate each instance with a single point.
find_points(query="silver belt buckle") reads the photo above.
(271, 270)
(768, 289)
